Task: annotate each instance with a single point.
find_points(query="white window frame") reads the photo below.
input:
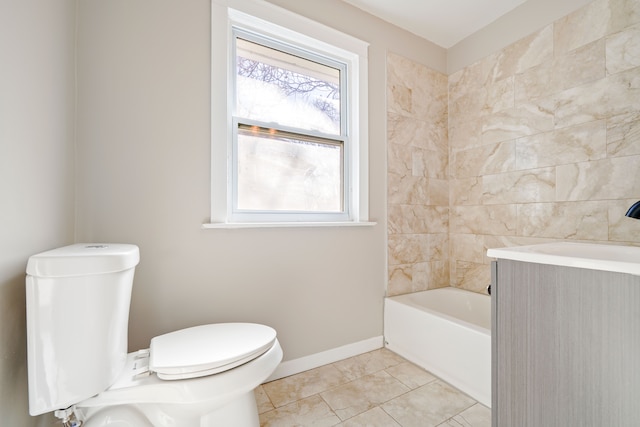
(271, 21)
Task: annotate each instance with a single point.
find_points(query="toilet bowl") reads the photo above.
(219, 399)
(77, 319)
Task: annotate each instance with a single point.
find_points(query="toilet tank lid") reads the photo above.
(84, 259)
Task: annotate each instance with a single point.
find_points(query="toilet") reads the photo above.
(78, 300)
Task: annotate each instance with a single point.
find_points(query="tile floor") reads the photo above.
(378, 388)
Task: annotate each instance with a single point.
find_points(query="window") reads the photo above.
(289, 119)
(289, 133)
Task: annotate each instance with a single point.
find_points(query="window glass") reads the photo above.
(276, 86)
(289, 143)
(280, 172)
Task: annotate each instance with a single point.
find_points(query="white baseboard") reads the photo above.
(295, 366)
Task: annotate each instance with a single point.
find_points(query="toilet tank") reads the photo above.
(78, 301)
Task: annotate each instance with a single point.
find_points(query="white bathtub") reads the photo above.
(446, 331)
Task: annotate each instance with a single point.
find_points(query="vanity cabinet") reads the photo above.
(565, 346)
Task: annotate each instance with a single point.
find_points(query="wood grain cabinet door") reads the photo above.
(566, 347)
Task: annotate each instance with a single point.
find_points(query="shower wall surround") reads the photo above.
(417, 177)
(543, 144)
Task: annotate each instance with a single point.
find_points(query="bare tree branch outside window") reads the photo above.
(319, 92)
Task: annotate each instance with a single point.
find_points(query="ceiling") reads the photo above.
(443, 22)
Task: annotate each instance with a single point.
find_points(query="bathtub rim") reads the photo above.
(406, 300)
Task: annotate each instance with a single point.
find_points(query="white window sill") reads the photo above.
(226, 225)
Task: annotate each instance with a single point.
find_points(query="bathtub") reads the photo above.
(446, 331)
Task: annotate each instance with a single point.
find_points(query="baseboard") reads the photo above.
(295, 366)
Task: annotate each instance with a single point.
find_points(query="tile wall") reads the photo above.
(417, 177)
(543, 144)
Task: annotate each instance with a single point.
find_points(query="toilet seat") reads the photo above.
(208, 349)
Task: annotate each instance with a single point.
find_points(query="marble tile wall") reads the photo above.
(543, 144)
(544, 139)
(417, 177)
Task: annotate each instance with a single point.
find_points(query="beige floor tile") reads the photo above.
(428, 405)
(476, 416)
(411, 375)
(312, 411)
(296, 387)
(368, 363)
(375, 417)
(363, 394)
(377, 389)
(262, 400)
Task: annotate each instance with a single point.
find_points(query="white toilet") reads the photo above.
(77, 319)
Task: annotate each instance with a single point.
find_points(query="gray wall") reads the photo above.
(36, 168)
(144, 162)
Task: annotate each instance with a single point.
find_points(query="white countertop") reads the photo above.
(615, 258)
